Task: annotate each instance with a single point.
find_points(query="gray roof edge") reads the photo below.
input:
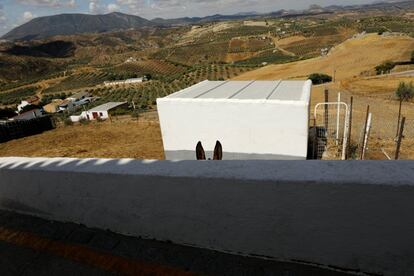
(304, 97)
(106, 106)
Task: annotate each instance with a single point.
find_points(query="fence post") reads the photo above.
(399, 119)
(351, 106)
(400, 136)
(363, 134)
(338, 110)
(326, 110)
(368, 130)
(345, 138)
(315, 140)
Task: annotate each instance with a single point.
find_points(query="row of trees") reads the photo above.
(387, 66)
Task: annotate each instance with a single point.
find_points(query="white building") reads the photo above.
(30, 101)
(122, 82)
(251, 119)
(75, 100)
(101, 112)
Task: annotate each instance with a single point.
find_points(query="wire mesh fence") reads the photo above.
(329, 122)
(382, 141)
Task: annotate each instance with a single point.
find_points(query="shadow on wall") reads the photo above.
(305, 171)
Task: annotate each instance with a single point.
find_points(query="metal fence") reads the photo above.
(383, 135)
(330, 130)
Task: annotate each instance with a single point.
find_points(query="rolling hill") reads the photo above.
(349, 59)
(69, 24)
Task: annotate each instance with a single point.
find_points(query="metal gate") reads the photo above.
(330, 130)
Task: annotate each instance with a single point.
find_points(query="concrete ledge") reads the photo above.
(353, 215)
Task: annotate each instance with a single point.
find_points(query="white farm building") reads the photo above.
(99, 112)
(251, 119)
(122, 82)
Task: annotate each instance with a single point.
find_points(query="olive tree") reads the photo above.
(404, 92)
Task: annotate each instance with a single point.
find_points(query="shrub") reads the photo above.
(68, 122)
(385, 68)
(84, 121)
(318, 78)
(7, 113)
(405, 91)
(135, 114)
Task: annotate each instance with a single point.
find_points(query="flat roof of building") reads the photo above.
(281, 90)
(107, 106)
(79, 95)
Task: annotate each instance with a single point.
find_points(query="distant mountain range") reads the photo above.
(69, 24)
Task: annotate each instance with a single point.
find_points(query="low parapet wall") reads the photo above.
(353, 215)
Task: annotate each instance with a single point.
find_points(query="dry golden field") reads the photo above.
(349, 59)
(119, 139)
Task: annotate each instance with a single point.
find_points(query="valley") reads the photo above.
(345, 44)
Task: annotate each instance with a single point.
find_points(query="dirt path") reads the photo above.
(277, 47)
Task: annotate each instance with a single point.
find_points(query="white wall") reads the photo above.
(103, 116)
(278, 128)
(22, 105)
(83, 115)
(354, 215)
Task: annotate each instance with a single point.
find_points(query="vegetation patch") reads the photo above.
(318, 78)
(385, 68)
(266, 57)
(54, 49)
(18, 95)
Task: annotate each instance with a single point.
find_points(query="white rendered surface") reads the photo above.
(354, 215)
(251, 119)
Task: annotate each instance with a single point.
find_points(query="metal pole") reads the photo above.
(368, 130)
(350, 127)
(338, 110)
(345, 139)
(363, 134)
(326, 110)
(400, 136)
(399, 119)
(315, 140)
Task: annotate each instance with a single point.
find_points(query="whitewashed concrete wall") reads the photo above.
(354, 215)
(261, 129)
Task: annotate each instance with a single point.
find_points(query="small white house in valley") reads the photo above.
(30, 101)
(78, 99)
(251, 120)
(101, 112)
(121, 82)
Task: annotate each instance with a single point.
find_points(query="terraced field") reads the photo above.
(144, 95)
(153, 67)
(78, 81)
(15, 96)
(252, 44)
(195, 53)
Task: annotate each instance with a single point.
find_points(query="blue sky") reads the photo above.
(17, 12)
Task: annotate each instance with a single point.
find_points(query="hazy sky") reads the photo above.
(17, 12)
